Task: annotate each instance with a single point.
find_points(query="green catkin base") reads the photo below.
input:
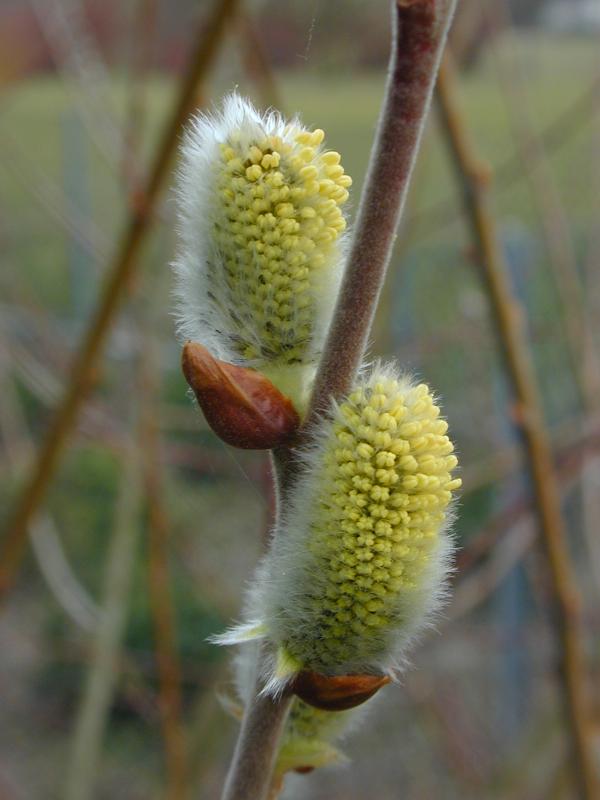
(308, 736)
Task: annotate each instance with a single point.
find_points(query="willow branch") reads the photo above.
(420, 28)
(119, 276)
(256, 749)
(161, 598)
(508, 320)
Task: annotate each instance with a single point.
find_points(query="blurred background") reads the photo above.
(152, 526)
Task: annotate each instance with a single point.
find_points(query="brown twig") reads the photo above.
(420, 28)
(508, 320)
(563, 128)
(256, 62)
(560, 248)
(119, 275)
(574, 447)
(161, 600)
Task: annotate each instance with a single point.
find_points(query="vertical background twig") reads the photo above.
(159, 579)
(508, 319)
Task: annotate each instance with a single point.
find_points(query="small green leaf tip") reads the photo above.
(259, 261)
(361, 561)
(310, 734)
(307, 741)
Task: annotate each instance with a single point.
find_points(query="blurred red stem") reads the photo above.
(161, 599)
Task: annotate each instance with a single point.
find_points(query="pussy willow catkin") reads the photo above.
(361, 560)
(260, 221)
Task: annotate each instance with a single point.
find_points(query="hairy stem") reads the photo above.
(508, 320)
(256, 749)
(420, 28)
(119, 276)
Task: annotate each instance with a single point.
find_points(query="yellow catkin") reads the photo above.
(384, 478)
(276, 216)
(260, 254)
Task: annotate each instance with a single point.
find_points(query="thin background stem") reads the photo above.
(51, 559)
(508, 320)
(103, 674)
(159, 579)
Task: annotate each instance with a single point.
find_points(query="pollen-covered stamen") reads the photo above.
(367, 533)
(276, 216)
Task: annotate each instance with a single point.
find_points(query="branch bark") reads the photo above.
(508, 320)
(256, 749)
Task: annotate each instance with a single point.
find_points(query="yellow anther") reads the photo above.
(255, 154)
(330, 157)
(307, 154)
(235, 165)
(254, 172)
(334, 171)
(309, 173)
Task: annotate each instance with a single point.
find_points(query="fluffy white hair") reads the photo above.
(201, 297)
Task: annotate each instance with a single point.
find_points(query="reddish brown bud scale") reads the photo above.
(241, 405)
(336, 692)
